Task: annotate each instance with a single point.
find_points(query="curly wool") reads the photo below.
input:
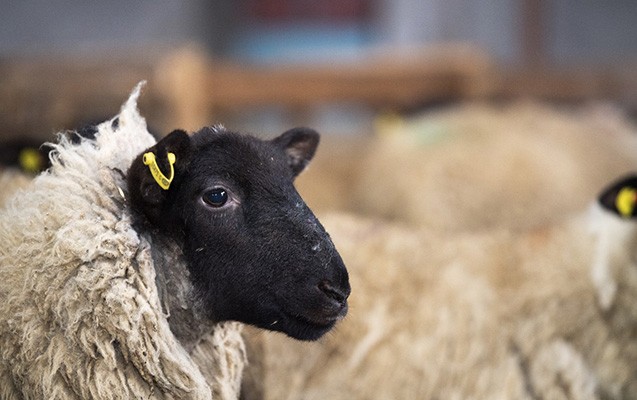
(82, 315)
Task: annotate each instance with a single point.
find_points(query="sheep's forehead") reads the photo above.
(239, 156)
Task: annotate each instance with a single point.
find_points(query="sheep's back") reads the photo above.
(473, 167)
(414, 329)
(477, 315)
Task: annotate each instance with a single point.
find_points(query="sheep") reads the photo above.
(476, 166)
(22, 159)
(495, 314)
(29, 156)
(130, 265)
(12, 180)
(19, 161)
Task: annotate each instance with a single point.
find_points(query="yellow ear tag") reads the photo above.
(625, 201)
(162, 181)
(30, 160)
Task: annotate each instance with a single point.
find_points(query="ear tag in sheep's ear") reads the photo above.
(621, 197)
(161, 179)
(625, 201)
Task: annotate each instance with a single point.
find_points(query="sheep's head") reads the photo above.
(255, 251)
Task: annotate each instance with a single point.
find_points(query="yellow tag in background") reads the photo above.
(30, 160)
(625, 201)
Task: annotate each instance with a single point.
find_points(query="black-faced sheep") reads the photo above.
(123, 282)
(29, 156)
(490, 315)
(20, 160)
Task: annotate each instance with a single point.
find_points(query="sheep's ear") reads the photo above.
(300, 145)
(621, 197)
(156, 172)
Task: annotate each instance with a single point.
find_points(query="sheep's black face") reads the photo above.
(256, 252)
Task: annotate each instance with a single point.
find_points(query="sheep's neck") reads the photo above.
(187, 322)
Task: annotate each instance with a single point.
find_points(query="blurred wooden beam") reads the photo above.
(571, 85)
(388, 80)
(187, 90)
(398, 82)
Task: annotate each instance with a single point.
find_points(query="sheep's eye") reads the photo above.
(216, 197)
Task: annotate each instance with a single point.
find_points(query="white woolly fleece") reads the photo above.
(614, 235)
(482, 315)
(80, 315)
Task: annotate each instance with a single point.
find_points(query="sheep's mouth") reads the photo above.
(321, 320)
(310, 319)
(304, 328)
(309, 326)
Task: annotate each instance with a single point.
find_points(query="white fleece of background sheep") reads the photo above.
(81, 314)
(494, 315)
(613, 236)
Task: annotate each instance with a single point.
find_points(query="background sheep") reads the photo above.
(22, 159)
(472, 316)
(115, 288)
(11, 180)
(475, 166)
(19, 161)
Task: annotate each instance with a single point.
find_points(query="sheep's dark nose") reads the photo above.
(340, 294)
(337, 286)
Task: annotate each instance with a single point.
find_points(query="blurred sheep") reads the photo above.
(477, 166)
(483, 315)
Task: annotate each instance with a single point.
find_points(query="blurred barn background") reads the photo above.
(359, 71)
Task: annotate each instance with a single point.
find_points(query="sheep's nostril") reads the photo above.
(337, 294)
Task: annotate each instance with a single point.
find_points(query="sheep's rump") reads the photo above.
(81, 316)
